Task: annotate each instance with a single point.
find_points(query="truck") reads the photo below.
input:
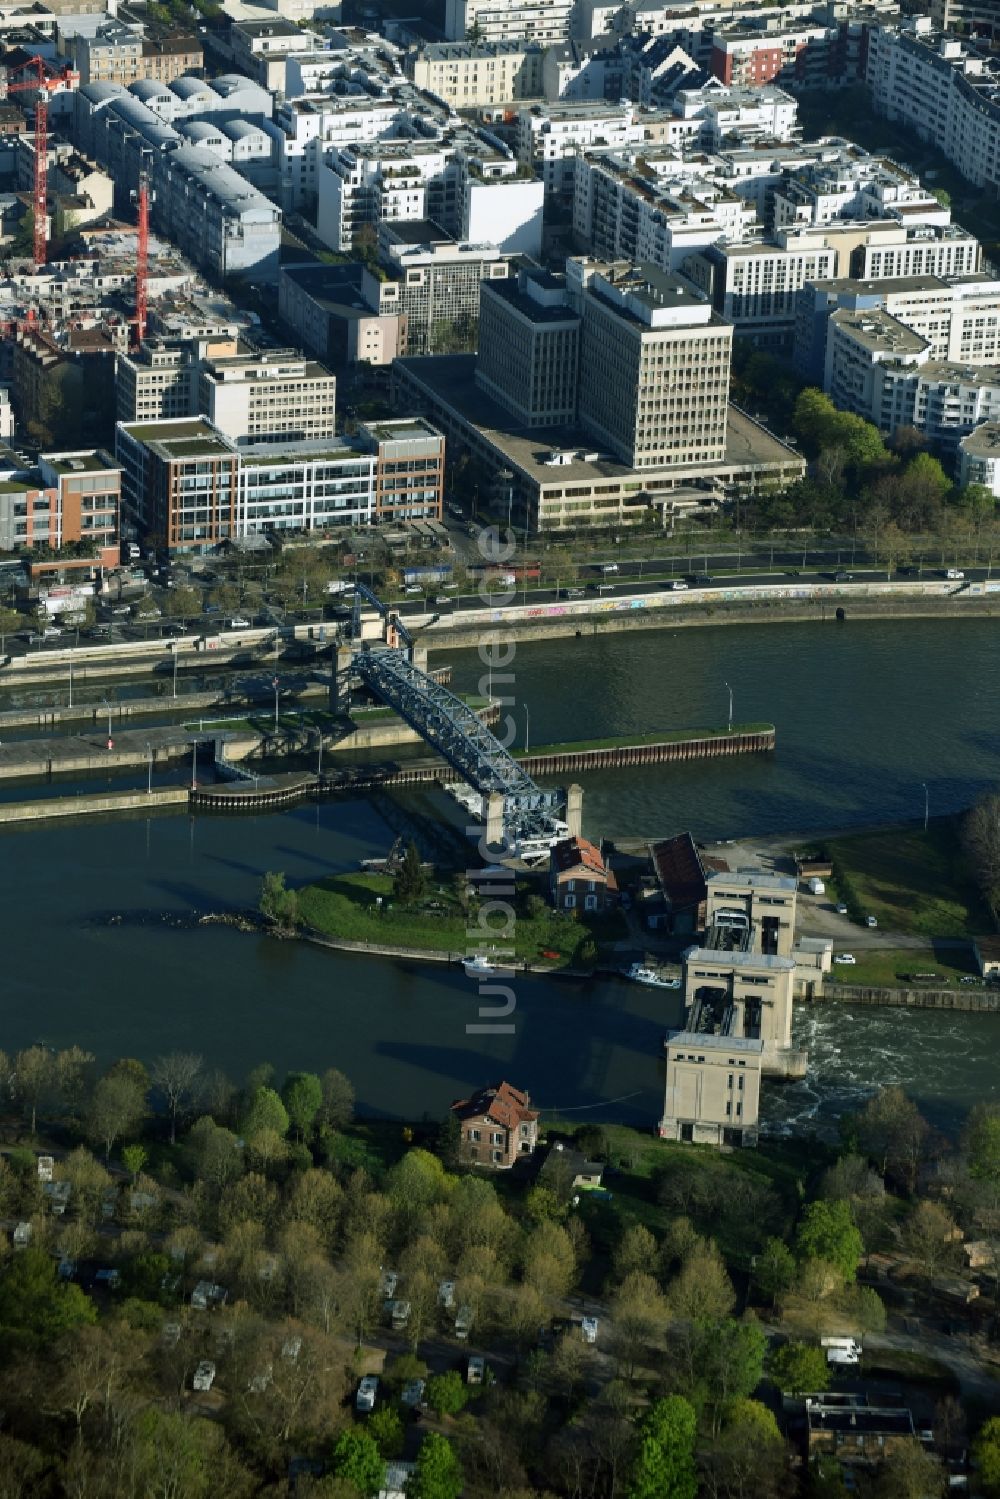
(842, 1352)
(339, 585)
(815, 885)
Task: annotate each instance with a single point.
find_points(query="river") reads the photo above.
(865, 713)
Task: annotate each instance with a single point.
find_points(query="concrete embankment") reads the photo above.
(114, 802)
(697, 747)
(969, 999)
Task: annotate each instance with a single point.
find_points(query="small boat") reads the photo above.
(639, 974)
(481, 967)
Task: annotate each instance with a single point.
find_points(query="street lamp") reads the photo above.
(106, 704)
(175, 647)
(729, 728)
(71, 681)
(149, 773)
(527, 723)
(275, 685)
(319, 760)
(927, 805)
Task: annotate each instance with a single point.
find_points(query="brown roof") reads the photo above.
(680, 870)
(502, 1104)
(578, 853)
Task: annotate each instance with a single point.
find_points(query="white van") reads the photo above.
(842, 1351)
(815, 885)
(955, 575)
(609, 567)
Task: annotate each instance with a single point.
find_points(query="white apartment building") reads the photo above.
(551, 137)
(767, 113)
(543, 21)
(476, 75)
(979, 458)
(433, 287)
(852, 185)
(941, 89)
(978, 17)
(365, 184)
(310, 127)
(654, 367)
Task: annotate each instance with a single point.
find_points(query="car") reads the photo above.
(677, 586)
(970, 978)
(476, 1371)
(702, 580)
(50, 632)
(843, 577)
(239, 622)
(588, 1329)
(413, 591)
(413, 1393)
(841, 908)
(574, 593)
(364, 1400)
(120, 610)
(871, 921)
(442, 598)
(955, 575)
(845, 958)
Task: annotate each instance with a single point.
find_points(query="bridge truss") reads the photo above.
(452, 728)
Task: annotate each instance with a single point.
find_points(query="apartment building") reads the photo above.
(544, 21)
(111, 53)
(169, 55)
(550, 138)
(979, 458)
(654, 368)
(942, 89)
(70, 498)
(959, 316)
(752, 57)
(433, 284)
(477, 75)
(882, 370)
(756, 286)
(529, 346)
(977, 18)
(849, 184)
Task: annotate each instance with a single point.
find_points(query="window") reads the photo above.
(496, 1138)
(474, 1135)
(497, 1156)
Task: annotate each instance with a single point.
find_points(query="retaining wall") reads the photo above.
(90, 805)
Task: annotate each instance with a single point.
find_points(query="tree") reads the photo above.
(302, 1096)
(447, 1394)
(910, 1472)
(134, 1157)
(265, 1111)
(799, 1366)
(636, 1250)
(117, 1108)
(176, 1076)
(702, 1289)
(386, 1427)
(981, 837)
(986, 1456)
(183, 603)
(891, 1131)
(774, 1271)
(409, 882)
(639, 1314)
(216, 1152)
(664, 1467)
(34, 1078)
(930, 1237)
(747, 1459)
(35, 1306)
(278, 904)
(338, 1099)
(438, 1472)
(827, 1232)
(356, 1457)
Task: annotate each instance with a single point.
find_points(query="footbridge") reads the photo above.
(517, 811)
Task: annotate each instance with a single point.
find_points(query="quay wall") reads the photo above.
(91, 805)
(968, 1000)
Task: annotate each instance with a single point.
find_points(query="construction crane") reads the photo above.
(142, 262)
(47, 80)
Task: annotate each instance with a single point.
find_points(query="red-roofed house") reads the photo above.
(498, 1125)
(579, 879)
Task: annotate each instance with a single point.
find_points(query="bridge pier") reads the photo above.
(574, 810)
(418, 655)
(340, 670)
(494, 820)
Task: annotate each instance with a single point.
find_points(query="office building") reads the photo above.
(434, 284)
(409, 468)
(68, 499)
(529, 347)
(178, 482)
(654, 368)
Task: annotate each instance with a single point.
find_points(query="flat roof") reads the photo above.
(74, 463)
(748, 960)
(170, 430)
(753, 879)
(705, 1041)
(876, 329)
(983, 442)
(536, 312)
(451, 379)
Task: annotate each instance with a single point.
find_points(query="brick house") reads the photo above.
(579, 879)
(498, 1125)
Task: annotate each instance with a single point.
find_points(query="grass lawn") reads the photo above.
(345, 906)
(912, 881)
(886, 969)
(632, 741)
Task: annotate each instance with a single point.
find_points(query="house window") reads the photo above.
(474, 1135)
(525, 1129)
(498, 1156)
(569, 902)
(496, 1139)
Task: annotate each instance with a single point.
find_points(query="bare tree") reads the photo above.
(176, 1076)
(34, 1079)
(981, 836)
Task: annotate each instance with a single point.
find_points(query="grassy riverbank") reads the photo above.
(912, 881)
(346, 906)
(893, 968)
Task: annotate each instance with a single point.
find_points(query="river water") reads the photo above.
(865, 713)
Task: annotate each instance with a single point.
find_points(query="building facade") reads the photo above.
(498, 1126)
(529, 347)
(476, 75)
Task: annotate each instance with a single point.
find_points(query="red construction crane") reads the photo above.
(48, 79)
(142, 262)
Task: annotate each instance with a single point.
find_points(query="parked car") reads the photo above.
(841, 908)
(364, 1400)
(871, 921)
(239, 622)
(413, 1393)
(970, 978)
(204, 1376)
(845, 958)
(476, 1370)
(955, 575)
